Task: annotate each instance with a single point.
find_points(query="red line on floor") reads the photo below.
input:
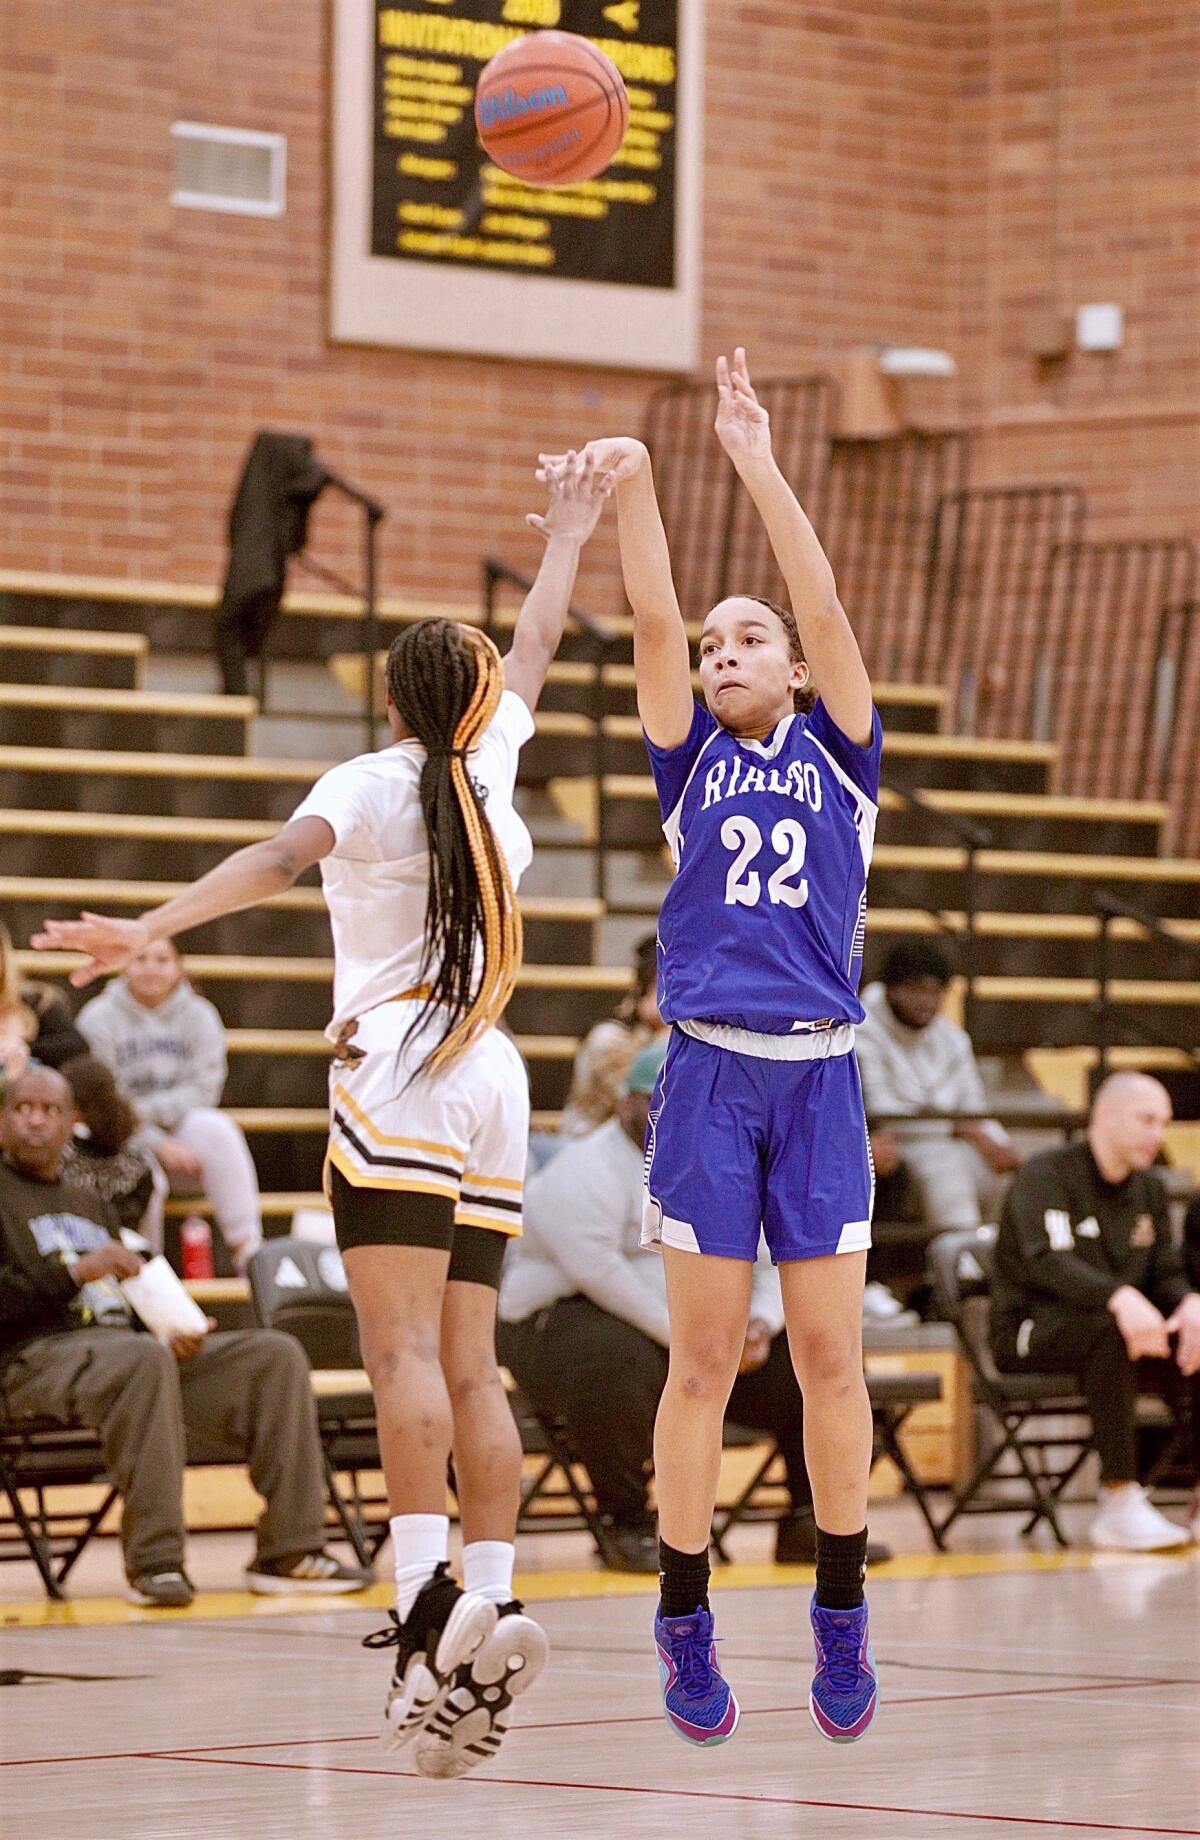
(711, 1795)
(639, 1718)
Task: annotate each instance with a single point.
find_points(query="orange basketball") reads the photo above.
(551, 109)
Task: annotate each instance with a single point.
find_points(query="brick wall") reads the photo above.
(1089, 198)
(876, 171)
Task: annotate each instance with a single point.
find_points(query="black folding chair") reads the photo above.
(299, 1287)
(961, 1265)
(557, 1497)
(38, 1455)
(893, 1397)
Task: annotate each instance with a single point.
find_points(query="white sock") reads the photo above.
(488, 1569)
(419, 1544)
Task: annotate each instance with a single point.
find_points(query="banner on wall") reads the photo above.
(436, 248)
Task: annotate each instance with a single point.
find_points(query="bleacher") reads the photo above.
(112, 794)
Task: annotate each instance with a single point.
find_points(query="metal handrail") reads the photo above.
(599, 643)
(1107, 908)
(973, 837)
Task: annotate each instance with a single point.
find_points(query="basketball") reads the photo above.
(551, 109)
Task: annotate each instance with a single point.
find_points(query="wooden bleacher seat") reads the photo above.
(99, 660)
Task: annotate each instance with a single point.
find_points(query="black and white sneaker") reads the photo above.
(312, 1571)
(444, 1629)
(168, 1590)
(468, 1726)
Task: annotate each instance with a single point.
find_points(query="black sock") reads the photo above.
(682, 1581)
(841, 1568)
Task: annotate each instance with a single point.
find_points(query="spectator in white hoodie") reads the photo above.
(913, 1059)
(166, 1046)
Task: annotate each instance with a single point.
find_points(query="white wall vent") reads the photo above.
(229, 169)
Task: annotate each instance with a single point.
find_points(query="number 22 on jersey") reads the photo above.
(743, 884)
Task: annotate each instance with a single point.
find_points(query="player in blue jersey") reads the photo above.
(769, 805)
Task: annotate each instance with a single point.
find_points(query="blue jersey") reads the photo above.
(763, 926)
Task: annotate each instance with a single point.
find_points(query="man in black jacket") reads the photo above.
(1090, 1282)
(71, 1349)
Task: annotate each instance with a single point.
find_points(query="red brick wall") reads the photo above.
(1081, 148)
(875, 171)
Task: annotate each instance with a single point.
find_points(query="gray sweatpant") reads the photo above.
(957, 1186)
(244, 1397)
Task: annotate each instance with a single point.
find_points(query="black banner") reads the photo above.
(437, 197)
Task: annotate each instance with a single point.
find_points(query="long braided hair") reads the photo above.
(446, 681)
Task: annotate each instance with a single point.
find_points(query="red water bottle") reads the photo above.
(196, 1247)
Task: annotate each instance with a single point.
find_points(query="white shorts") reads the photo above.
(462, 1133)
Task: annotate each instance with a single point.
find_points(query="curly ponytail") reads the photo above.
(446, 681)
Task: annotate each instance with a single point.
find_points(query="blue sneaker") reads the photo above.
(845, 1688)
(697, 1701)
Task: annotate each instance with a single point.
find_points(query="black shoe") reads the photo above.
(444, 1629)
(310, 1572)
(796, 1543)
(467, 1728)
(166, 1590)
(629, 1549)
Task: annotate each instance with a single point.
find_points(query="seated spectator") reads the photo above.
(1090, 1282)
(605, 1054)
(103, 1154)
(584, 1330)
(35, 1023)
(914, 1059)
(1191, 1243)
(166, 1046)
(70, 1348)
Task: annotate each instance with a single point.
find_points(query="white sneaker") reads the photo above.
(882, 1310)
(1191, 1519)
(1128, 1522)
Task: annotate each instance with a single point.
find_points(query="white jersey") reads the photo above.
(376, 877)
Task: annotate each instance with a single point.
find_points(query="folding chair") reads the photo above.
(299, 1287)
(893, 1397)
(566, 1504)
(38, 1454)
(961, 1265)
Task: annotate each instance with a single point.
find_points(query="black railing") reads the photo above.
(990, 554)
(882, 498)
(1107, 909)
(598, 644)
(973, 837)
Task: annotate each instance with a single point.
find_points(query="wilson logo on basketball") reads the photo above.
(511, 105)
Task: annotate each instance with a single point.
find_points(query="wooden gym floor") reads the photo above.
(1023, 1692)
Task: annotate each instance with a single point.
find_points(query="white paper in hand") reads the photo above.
(163, 1304)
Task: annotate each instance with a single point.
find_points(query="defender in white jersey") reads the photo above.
(421, 850)
(769, 802)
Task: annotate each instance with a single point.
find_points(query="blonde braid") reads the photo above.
(502, 933)
(446, 681)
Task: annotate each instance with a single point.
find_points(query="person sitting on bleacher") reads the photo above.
(584, 1330)
(35, 1023)
(166, 1046)
(608, 1049)
(103, 1153)
(71, 1349)
(1089, 1281)
(914, 1059)
(1191, 1242)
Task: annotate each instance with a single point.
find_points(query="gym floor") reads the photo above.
(1022, 1690)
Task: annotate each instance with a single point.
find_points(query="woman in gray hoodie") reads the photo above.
(166, 1046)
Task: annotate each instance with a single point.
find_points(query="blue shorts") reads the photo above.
(736, 1144)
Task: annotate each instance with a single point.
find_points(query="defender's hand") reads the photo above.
(578, 488)
(109, 943)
